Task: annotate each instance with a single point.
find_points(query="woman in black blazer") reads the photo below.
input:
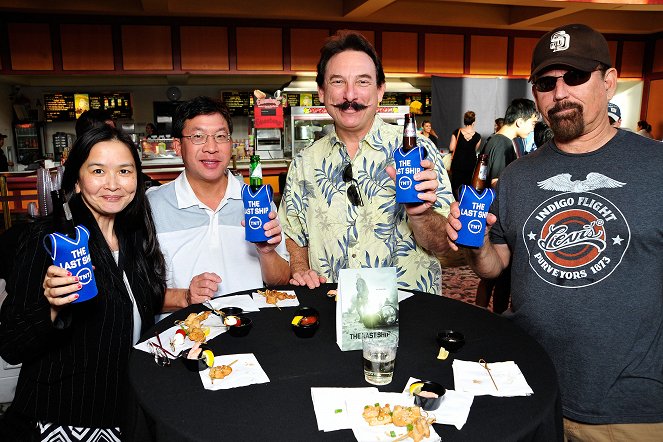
(75, 356)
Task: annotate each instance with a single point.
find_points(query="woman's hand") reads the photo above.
(59, 288)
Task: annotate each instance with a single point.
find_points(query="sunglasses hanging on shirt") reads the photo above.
(353, 191)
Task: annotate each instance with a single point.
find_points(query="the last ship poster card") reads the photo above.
(367, 303)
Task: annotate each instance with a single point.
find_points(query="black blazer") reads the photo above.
(74, 370)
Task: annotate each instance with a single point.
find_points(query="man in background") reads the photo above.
(614, 115)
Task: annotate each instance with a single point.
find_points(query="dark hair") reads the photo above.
(199, 106)
(426, 121)
(348, 41)
(90, 119)
(135, 220)
(644, 125)
(468, 118)
(519, 108)
(499, 122)
(542, 133)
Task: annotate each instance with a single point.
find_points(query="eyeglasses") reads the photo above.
(353, 193)
(571, 78)
(201, 138)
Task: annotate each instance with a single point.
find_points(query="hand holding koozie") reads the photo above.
(73, 255)
(474, 202)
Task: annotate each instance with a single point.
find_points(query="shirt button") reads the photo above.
(354, 255)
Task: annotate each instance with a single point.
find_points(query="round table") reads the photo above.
(181, 409)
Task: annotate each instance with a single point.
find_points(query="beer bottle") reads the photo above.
(409, 133)
(64, 222)
(480, 173)
(255, 173)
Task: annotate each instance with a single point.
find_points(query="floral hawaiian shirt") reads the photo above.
(316, 212)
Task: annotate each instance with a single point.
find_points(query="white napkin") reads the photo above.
(472, 377)
(213, 322)
(245, 302)
(454, 408)
(261, 301)
(366, 433)
(329, 405)
(246, 371)
(402, 295)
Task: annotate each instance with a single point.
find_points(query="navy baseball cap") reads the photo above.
(576, 46)
(614, 112)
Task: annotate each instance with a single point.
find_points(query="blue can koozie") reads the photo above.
(257, 205)
(473, 212)
(407, 165)
(74, 255)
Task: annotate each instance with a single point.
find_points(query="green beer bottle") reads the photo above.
(255, 173)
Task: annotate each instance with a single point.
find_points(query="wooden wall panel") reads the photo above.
(444, 54)
(146, 48)
(399, 51)
(612, 45)
(658, 56)
(30, 46)
(633, 54)
(87, 47)
(259, 49)
(305, 47)
(522, 55)
(204, 48)
(655, 108)
(488, 55)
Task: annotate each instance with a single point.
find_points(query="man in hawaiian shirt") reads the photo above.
(338, 208)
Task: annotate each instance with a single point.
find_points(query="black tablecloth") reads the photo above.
(283, 410)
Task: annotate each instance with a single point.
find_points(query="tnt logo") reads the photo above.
(84, 275)
(474, 226)
(255, 223)
(560, 41)
(404, 182)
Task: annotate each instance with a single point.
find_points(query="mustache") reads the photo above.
(562, 106)
(350, 104)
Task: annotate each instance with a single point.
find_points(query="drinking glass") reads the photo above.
(379, 356)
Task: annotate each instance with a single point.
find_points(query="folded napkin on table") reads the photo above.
(363, 432)
(329, 405)
(403, 295)
(472, 377)
(245, 302)
(246, 371)
(454, 408)
(261, 301)
(213, 322)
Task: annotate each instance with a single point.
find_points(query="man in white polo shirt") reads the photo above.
(199, 215)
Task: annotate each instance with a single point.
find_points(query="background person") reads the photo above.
(574, 203)
(338, 208)
(75, 356)
(428, 132)
(199, 216)
(464, 146)
(644, 129)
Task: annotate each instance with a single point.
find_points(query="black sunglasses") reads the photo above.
(353, 193)
(571, 78)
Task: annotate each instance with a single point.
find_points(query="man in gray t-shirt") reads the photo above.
(584, 234)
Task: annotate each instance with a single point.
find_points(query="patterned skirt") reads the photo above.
(64, 433)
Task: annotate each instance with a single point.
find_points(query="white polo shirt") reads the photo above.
(195, 238)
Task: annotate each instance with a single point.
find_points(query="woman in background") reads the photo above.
(428, 132)
(464, 146)
(75, 356)
(644, 129)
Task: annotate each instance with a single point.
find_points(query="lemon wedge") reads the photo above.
(443, 354)
(296, 319)
(208, 357)
(206, 330)
(416, 387)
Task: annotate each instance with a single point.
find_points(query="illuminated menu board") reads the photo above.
(59, 107)
(238, 103)
(70, 106)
